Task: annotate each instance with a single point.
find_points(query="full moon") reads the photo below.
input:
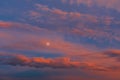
(47, 43)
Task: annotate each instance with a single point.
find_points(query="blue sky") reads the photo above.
(59, 40)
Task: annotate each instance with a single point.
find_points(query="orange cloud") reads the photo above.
(113, 54)
(40, 62)
(4, 24)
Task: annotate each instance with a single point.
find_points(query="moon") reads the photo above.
(47, 43)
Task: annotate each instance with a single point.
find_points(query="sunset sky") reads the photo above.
(60, 40)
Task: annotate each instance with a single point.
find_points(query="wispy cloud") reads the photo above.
(107, 3)
(69, 39)
(76, 23)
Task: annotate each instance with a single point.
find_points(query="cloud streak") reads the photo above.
(31, 38)
(83, 25)
(40, 62)
(60, 39)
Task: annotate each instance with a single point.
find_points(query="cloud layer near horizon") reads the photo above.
(40, 62)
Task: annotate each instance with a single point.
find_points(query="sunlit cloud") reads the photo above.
(59, 40)
(85, 25)
(40, 62)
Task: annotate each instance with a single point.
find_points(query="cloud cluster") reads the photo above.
(31, 38)
(75, 23)
(40, 62)
(71, 29)
(106, 3)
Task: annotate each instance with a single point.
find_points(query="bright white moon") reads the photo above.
(47, 43)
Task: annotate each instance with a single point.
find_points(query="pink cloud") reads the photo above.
(40, 62)
(20, 26)
(85, 25)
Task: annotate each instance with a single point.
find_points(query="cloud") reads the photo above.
(33, 40)
(24, 37)
(40, 62)
(76, 23)
(114, 53)
(107, 3)
(19, 26)
(39, 43)
(73, 29)
(55, 13)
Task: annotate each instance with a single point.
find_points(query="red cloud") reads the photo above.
(4, 24)
(40, 62)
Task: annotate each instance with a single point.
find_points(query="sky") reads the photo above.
(59, 40)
